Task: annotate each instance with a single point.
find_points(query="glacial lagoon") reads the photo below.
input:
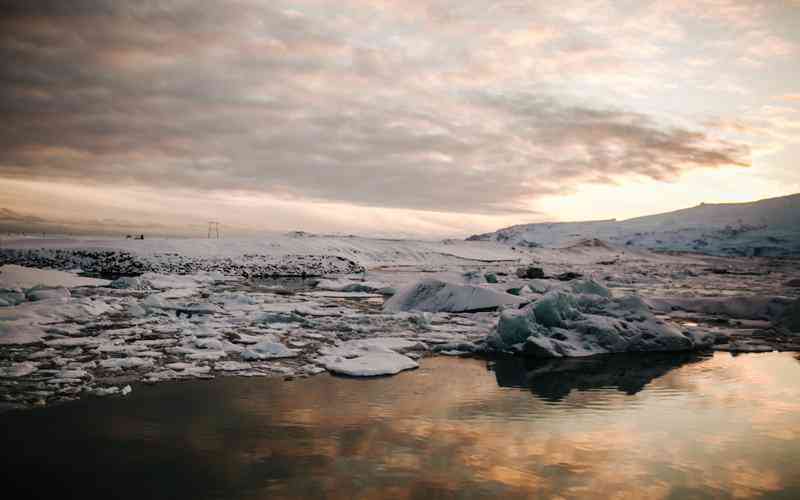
(662, 426)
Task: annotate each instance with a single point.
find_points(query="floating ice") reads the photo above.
(736, 307)
(370, 364)
(268, 350)
(11, 297)
(130, 282)
(565, 325)
(231, 366)
(133, 362)
(355, 286)
(41, 293)
(439, 296)
(280, 317)
(370, 357)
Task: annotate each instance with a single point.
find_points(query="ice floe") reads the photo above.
(370, 357)
(268, 349)
(434, 295)
(736, 307)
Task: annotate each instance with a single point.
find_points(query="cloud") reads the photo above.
(763, 45)
(14, 221)
(8, 215)
(368, 104)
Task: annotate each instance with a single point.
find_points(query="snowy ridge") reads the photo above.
(108, 262)
(768, 227)
(287, 254)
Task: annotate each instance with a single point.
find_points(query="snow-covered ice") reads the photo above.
(736, 307)
(13, 276)
(439, 296)
(563, 324)
(371, 364)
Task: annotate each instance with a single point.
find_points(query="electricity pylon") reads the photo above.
(213, 226)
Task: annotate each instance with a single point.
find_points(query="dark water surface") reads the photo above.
(612, 427)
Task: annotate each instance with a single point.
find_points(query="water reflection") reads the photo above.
(555, 379)
(682, 428)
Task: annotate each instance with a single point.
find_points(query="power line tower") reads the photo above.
(213, 227)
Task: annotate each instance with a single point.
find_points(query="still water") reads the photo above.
(612, 427)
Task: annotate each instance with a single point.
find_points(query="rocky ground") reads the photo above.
(115, 262)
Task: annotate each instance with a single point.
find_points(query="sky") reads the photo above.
(397, 117)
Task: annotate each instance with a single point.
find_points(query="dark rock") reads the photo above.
(721, 338)
(569, 276)
(530, 272)
(791, 317)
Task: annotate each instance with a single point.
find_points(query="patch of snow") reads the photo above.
(13, 276)
(765, 227)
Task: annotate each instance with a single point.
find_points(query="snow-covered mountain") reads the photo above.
(769, 227)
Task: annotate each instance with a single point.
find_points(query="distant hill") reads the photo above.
(768, 227)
